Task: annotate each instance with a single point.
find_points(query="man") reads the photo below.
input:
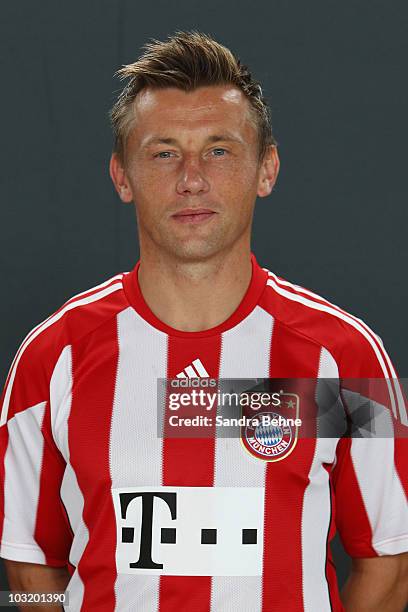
(93, 497)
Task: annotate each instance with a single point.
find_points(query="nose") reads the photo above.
(192, 180)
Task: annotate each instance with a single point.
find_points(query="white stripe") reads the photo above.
(61, 399)
(200, 368)
(190, 371)
(392, 546)
(281, 281)
(245, 353)
(37, 331)
(381, 489)
(341, 315)
(71, 494)
(22, 465)
(394, 382)
(118, 277)
(73, 500)
(401, 401)
(316, 511)
(374, 418)
(135, 449)
(319, 297)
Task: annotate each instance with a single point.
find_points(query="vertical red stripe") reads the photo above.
(401, 458)
(330, 570)
(401, 447)
(4, 439)
(352, 520)
(292, 356)
(95, 362)
(189, 462)
(52, 531)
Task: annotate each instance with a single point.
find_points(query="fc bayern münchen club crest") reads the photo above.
(266, 437)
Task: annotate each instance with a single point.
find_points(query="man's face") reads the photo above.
(192, 151)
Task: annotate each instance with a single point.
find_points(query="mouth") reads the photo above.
(194, 215)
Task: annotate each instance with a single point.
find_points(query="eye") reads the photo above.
(219, 152)
(163, 154)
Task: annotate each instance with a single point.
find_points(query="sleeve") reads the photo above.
(33, 523)
(370, 477)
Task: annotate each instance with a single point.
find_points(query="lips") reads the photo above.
(193, 211)
(194, 215)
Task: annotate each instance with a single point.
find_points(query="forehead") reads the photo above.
(205, 108)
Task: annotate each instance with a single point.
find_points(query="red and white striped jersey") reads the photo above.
(152, 524)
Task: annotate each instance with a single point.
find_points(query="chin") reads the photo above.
(194, 252)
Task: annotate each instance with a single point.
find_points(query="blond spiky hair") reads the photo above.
(187, 60)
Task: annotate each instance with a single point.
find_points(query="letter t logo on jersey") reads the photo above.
(189, 531)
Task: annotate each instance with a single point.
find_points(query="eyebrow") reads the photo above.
(211, 139)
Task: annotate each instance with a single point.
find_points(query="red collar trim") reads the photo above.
(248, 303)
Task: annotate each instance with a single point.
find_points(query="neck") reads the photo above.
(195, 296)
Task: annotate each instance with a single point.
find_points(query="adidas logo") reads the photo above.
(194, 370)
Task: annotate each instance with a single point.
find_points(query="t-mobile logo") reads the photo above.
(145, 560)
(206, 531)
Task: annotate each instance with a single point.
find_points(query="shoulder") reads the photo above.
(79, 315)
(34, 361)
(357, 349)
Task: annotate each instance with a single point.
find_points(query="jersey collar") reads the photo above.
(247, 304)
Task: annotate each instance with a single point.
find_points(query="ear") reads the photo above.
(119, 178)
(268, 172)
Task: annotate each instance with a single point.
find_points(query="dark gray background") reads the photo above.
(335, 76)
